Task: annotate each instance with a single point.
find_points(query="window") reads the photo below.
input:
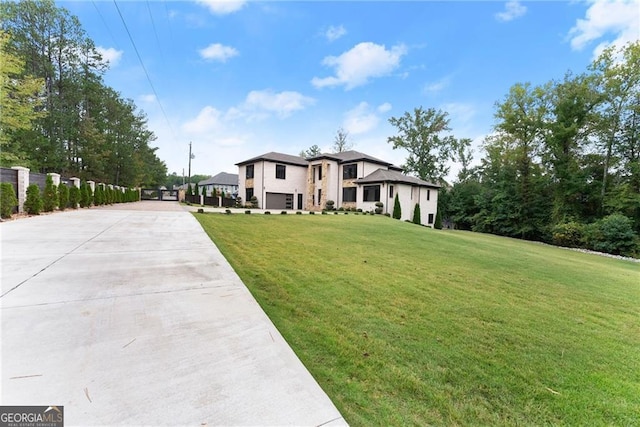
(391, 191)
(248, 194)
(371, 193)
(319, 196)
(319, 173)
(281, 172)
(349, 194)
(429, 196)
(249, 171)
(430, 218)
(350, 171)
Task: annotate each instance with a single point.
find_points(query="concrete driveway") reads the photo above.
(129, 315)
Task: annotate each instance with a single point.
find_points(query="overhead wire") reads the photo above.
(155, 32)
(135, 48)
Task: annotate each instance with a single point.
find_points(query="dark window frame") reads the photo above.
(350, 171)
(367, 195)
(281, 172)
(348, 190)
(248, 193)
(249, 171)
(391, 191)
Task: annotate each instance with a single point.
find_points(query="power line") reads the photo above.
(145, 69)
(153, 25)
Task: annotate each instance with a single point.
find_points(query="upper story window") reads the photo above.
(319, 173)
(249, 172)
(350, 171)
(371, 193)
(281, 172)
(391, 191)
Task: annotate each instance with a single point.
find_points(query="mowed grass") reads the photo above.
(405, 325)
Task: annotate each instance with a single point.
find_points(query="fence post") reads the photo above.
(23, 183)
(55, 177)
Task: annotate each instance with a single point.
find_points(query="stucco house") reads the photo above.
(351, 179)
(226, 182)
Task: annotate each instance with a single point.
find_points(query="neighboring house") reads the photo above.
(351, 179)
(222, 182)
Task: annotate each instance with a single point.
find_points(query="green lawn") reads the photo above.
(404, 325)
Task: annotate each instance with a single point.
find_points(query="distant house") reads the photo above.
(350, 179)
(222, 182)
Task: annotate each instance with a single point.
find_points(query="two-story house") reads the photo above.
(224, 182)
(350, 179)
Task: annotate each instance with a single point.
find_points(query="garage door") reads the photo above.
(279, 201)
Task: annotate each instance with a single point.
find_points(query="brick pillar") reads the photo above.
(75, 182)
(23, 183)
(55, 177)
(92, 184)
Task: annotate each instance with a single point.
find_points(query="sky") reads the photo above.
(238, 79)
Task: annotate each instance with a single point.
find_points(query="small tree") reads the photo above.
(397, 210)
(8, 199)
(254, 202)
(189, 190)
(196, 190)
(74, 197)
(50, 196)
(63, 196)
(329, 205)
(204, 191)
(99, 195)
(438, 223)
(33, 204)
(379, 206)
(416, 215)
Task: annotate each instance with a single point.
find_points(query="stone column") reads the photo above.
(23, 183)
(92, 184)
(75, 182)
(55, 177)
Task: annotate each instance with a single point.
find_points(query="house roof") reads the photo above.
(222, 178)
(352, 156)
(277, 158)
(382, 175)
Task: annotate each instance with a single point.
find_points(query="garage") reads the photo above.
(279, 201)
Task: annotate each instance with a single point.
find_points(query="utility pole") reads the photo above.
(190, 157)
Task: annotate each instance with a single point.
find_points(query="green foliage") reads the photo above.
(86, 195)
(438, 224)
(254, 202)
(99, 196)
(397, 210)
(612, 234)
(330, 205)
(189, 190)
(569, 234)
(74, 197)
(416, 214)
(50, 195)
(33, 204)
(313, 151)
(8, 199)
(63, 196)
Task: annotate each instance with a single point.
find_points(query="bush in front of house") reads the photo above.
(8, 199)
(379, 206)
(50, 195)
(416, 214)
(63, 196)
(329, 205)
(397, 210)
(33, 204)
(438, 223)
(254, 202)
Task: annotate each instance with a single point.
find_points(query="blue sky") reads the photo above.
(242, 78)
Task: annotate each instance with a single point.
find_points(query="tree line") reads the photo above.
(57, 113)
(562, 164)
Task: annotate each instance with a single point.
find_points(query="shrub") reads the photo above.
(238, 203)
(33, 204)
(335, 212)
(228, 211)
(298, 213)
(379, 206)
(63, 196)
(341, 209)
(416, 214)
(267, 213)
(99, 195)
(74, 197)
(438, 224)
(8, 199)
(201, 210)
(397, 210)
(568, 234)
(329, 205)
(612, 234)
(247, 212)
(324, 212)
(388, 215)
(254, 202)
(283, 212)
(312, 213)
(50, 195)
(84, 196)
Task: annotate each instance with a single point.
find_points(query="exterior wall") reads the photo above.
(328, 185)
(264, 181)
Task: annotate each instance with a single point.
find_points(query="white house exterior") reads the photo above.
(351, 179)
(222, 182)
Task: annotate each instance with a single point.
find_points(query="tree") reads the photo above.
(74, 197)
(8, 199)
(50, 195)
(421, 134)
(313, 151)
(417, 219)
(33, 204)
(397, 210)
(340, 143)
(63, 196)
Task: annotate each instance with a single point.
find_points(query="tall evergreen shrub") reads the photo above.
(397, 210)
(74, 197)
(416, 214)
(50, 195)
(438, 224)
(33, 204)
(63, 196)
(8, 199)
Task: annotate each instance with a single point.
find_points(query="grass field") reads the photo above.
(405, 325)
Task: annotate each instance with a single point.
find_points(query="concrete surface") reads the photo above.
(131, 316)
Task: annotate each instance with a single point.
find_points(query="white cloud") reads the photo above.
(619, 18)
(512, 10)
(207, 121)
(109, 55)
(436, 86)
(334, 33)
(282, 104)
(357, 66)
(222, 7)
(148, 98)
(383, 108)
(360, 119)
(218, 52)
(460, 114)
